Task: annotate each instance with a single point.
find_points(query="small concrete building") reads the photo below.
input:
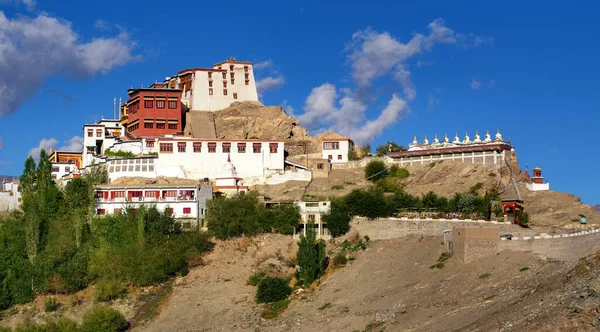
(471, 243)
(10, 195)
(336, 149)
(311, 215)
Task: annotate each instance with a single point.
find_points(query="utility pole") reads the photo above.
(115, 107)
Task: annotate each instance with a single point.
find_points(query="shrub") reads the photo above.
(398, 172)
(272, 290)
(256, 277)
(376, 170)
(311, 257)
(108, 290)
(272, 310)
(51, 304)
(340, 260)
(103, 319)
(338, 219)
(522, 217)
(337, 187)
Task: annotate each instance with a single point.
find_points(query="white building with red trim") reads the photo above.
(187, 203)
(336, 149)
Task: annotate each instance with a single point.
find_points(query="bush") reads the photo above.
(104, 319)
(52, 325)
(522, 217)
(256, 277)
(340, 260)
(272, 290)
(376, 170)
(338, 219)
(398, 172)
(51, 304)
(108, 290)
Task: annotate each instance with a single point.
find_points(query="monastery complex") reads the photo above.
(146, 140)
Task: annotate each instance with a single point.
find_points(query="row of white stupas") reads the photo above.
(445, 143)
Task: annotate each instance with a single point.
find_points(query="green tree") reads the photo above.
(338, 219)
(430, 201)
(466, 203)
(78, 201)
(311, 257)
(353, 155)
(365, 150)
(235, 216)
(398, 172)
(103, 319)
(390, 146)
(375, 170)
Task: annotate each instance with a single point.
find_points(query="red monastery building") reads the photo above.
(154, 111)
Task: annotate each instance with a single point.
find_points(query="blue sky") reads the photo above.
(529, 68)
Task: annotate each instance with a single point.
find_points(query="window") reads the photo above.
(256, 147)
(273, 147)
(187, 210)
(67, 169)
(212, 147)
(172, 126)
(245, 69)
(226, 147)
(151, 194)
(241, 147)
(98, 132)
(160, 126)
(160, 104)
(231, 67)
(210, 91)
(166, 147)
(329, 157)
(210, 74)
(234, 95)
(148, 103)
(224, 76)
(90, 133)
(172, 104)
(197, 147)
(319, 166)
(55, 169)
(101, 212)
(331, 145)
(150, 144)
(224, 84)
(148, 125)
(117, 194)
(169, 211)
(232, 75)
(180, 146)
(232, 81)
(170, 193)
(224, 92)
(339, 157)
(210, 84)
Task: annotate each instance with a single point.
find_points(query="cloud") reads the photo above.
(372, 56)
(63, 96)
(424, 63)
(262, 65)
(482, 40)
(35, 49)
(475, 84)
(432, 102)
(6, 162)
(269, 83)
(492, 84)
(2, 146)
(74, 144)
(102, 25)
(289, 110)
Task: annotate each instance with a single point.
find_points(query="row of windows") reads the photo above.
(133, 127)
(171, 104)
(150, 125)
(330, 157)
(101, 212)
(210, 93)
(56, 169)
(131, 168)
(212, 147)
(331, 145)
(132, 161)
(90, 132)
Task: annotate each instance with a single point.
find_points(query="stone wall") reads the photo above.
(489, 157)
(472, 242)
(566, 247)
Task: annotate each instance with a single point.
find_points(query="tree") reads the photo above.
(338, 219)
(352, 155)
(365, 150)
(78, 200)
(311, 257)
(390, 146)
(466, 203)
(235, 216)
(398, 172)
(430, 201)
(375, 170)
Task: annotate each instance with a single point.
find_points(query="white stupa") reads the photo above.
(488, 138)
(425, 141)
(446, 140)
(456, 139)
(499, 136)
(477, 138)
(467, 139)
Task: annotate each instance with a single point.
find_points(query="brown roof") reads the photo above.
(475, 148)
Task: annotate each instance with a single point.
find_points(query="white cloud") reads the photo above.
(102, 25)
(269, 83)
(289, 110)
(492, 84)
(74, 144)
(475, 84)
(424, 63)
(2, 146)
(482, 40)
(35, 49)
(5, 162)
(371, 56)
(432, 101)
(262, 65)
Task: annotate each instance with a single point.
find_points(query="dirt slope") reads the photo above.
(512, 291)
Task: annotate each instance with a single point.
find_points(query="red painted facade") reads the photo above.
(537, 175)
(155, 112)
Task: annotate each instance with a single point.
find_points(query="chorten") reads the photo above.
(488, 138)
(467, 138)
(498, 136)
(477, 138)
(425, 141)
(446, 140)
(456, 139)
(436, 140)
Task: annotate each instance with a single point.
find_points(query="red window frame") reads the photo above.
(181, 146)
(197, 147)
(150, 143)
(172, 104)
(226, 147)
(148, 103)
(160, 104)
(256, 147)
(166, 147)
(273, 147)
(241, 147)
(187, 210)
(212, 147)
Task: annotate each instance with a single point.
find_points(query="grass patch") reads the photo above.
(272, 310)
(325, 306)
(51, 304)
(151, 307)
(373, 326)
(349, 183)
(485, 276)
(122, 154)
(337, 187)
(403, 312)
(487, 298)
(444, 257)
(340, 260)
(524, 269)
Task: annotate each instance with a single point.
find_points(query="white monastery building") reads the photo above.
(187, 203)
(336, 149)
(212, 89)
(10, 195)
